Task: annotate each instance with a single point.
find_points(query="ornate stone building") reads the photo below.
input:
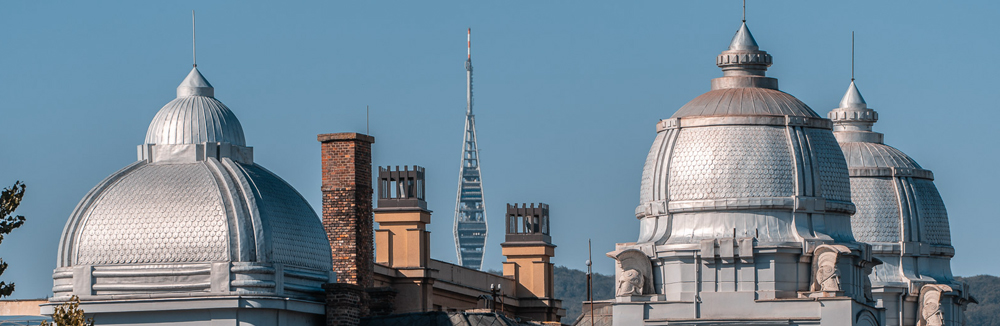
(745, 214)
(901, 214)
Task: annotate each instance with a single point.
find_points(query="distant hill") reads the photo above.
(986, 289)
(571, 288)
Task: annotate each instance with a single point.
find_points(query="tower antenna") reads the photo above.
(744, 11)
(367, 118)
(852, 56)
(194, 43)
(469, 41)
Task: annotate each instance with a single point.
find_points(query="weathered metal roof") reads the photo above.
(745, 101)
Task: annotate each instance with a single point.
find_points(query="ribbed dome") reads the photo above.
(194, 217)
(195, 116)
(874, 155)
(745, 101)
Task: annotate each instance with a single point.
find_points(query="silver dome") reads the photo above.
(899, 210)
(195, 216)
(195, 116)
(741, 160)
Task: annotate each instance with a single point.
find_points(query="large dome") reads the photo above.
(741, 160)
(195, 215)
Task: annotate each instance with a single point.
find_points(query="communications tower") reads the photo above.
(470, 207)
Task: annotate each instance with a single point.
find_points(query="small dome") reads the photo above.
(195, 116)
(896, 199)
(875, 155)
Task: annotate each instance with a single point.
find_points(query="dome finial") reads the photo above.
(743, 40)
(852, 99)
(743, 57)
(195, 85)
(744, 11)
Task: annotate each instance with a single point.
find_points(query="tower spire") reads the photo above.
(852, 56)
(470, 206)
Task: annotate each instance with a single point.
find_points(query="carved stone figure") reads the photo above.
(629, 284)
(826, 277)
(930, 305)
(868, 267)
(635, 276)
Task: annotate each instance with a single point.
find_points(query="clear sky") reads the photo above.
(567, 96)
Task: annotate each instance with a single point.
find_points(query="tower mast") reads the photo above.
(470, 206)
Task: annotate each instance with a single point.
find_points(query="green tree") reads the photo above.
(69, 314)
(8, 203)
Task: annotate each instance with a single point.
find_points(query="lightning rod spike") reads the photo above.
(194, 42)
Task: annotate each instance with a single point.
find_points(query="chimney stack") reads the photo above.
(402, 239)
(529, 249)
(347, 204)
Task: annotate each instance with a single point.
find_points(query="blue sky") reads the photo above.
(567, 96)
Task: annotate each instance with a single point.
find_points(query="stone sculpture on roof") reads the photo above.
(196, 225)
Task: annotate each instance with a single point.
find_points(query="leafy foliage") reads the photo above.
(69, 314)
(986, 289)
(9, 201)
(571, 287)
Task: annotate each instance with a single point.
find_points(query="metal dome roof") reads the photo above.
(194, 216)
(745, 101)
(875, 155)
(740, 160)
(896, 199)
(154, 213)
(195, 116)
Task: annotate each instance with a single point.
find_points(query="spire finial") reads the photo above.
(194, 43)
(744, 11)
(852, 56)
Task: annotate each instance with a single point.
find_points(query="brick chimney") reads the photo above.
(347, 204)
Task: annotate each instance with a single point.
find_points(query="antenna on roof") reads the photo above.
(194, 43)
(744, 11)
(367, 118)
(852, 56)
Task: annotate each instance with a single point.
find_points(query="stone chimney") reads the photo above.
(347, 205)
(528, 248)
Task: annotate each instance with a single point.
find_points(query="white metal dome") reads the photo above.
(195, 116)
(195, 216)
(741, 159)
